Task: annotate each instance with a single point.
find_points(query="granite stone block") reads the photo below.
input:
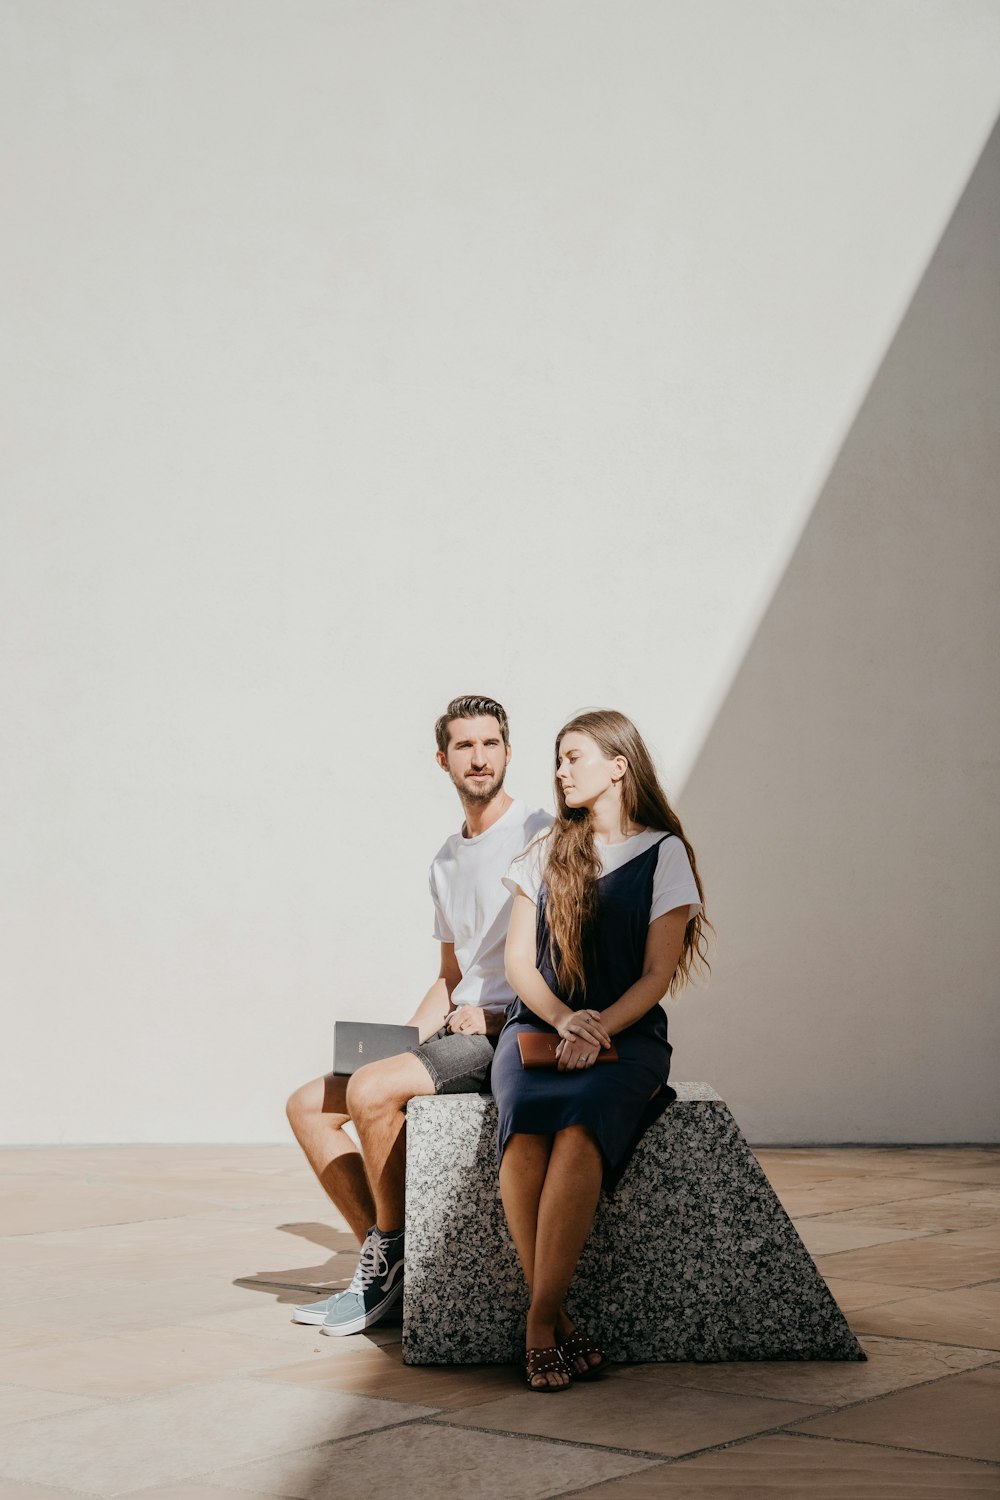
(691, 1258)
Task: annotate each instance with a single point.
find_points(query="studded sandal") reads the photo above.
(548, 1361)
(580, 1345)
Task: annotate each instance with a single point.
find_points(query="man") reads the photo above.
(459, 1019)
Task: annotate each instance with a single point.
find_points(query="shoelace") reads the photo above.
(372, 1263)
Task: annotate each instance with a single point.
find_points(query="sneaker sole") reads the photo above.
(366, 1319)
(312, 1319)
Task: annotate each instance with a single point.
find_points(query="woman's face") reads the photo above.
(583, 771)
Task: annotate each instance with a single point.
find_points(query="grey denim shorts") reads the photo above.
(458, 1064)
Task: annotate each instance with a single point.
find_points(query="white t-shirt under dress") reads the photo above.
(673, 881)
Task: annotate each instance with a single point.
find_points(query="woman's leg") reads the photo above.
(564, 1217)
(522, 1173)
(522, 1176)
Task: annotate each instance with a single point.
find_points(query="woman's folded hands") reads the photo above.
(582, 1035)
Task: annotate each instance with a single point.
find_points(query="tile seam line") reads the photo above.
(258, 1374)
(127, 1331)
(903, 1338)
(62, 1490)
(927, 1234)
(207, 1474)
(237, 1377)
(246, 1284)
(906, 1288)
(917, 1242)
(46, 1390)
(661, 1459)
(963, 1286)
(150, 1489)
(885, 1301)
(288, 1146)
(429, 1419)
(911, 1338)
(755, 1146)
(953, 1187)
(199, 1225)
(443, 1411)
(585, 1489)
(916, 1232)
(581, 1446)
(27, 1234)
(670, 1462)
(907, 1233)
(917, 1198)
(291, 1148)
(825, 1437)
(646, 1453)
(990, 1364)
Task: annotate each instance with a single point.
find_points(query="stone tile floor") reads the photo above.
(146, 1348)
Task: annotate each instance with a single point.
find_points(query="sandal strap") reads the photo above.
(545, 1361)
(579, 1344)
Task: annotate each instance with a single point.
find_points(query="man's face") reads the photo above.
(476, 758)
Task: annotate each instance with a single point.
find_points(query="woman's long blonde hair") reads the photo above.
(572, 867)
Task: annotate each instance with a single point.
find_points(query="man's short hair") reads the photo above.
(471, 706)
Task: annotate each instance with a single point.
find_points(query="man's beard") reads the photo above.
(479, 793)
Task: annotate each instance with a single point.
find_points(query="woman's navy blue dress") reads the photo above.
(615, 1101)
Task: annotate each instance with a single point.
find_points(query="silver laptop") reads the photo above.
(358, 1042)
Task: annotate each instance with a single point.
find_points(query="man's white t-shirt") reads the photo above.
(673, 881)
(471, 905)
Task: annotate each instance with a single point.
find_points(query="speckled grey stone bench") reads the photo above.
(692, 1258)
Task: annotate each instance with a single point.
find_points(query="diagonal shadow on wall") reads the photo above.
(845, 804)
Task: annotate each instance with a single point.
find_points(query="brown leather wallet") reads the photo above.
(538, 1050)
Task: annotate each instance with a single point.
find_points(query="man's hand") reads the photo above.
(476, 1020)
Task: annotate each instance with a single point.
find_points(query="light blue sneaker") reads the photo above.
(377, 1286)
(314, 1312)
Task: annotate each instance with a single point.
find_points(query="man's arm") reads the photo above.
(430, 1014)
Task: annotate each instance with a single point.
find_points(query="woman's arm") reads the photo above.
(664, 943)
(526, 982)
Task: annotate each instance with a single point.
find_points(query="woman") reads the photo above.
(606, 920)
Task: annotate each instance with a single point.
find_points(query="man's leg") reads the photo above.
(317, 1113)
(376, 1099)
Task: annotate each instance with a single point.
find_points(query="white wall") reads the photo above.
(846, 798)
(359, 355)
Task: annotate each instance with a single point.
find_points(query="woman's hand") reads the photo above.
(573, 1053)
(584, 1026)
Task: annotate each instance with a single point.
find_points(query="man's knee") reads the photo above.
(306, 1102)
(387, 1085)
(368, 1091)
